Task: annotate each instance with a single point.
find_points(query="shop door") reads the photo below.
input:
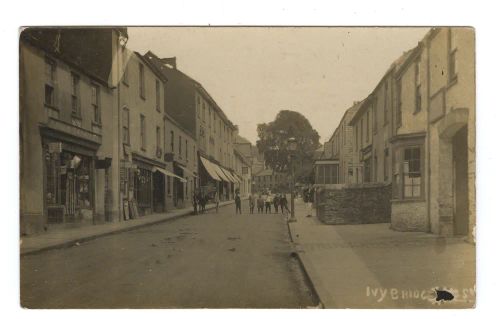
(158, 192)
(460, 185)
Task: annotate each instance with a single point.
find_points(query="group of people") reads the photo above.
(200, 201)
(267, 201)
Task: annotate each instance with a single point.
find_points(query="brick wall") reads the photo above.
(354, 204)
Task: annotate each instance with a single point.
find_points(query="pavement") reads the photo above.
(213, 260)
(372, 266)
(66, 237)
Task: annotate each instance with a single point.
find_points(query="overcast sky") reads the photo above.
(253, 73)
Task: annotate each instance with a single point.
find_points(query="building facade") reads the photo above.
(190, 105)
(68, 166)
(416, 130)
(243, 171)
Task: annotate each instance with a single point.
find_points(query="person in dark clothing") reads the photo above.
(237, 201)
(203, 202)
(195, 203)
(276, 202)
(284, 203)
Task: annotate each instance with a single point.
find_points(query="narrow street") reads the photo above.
(213, 260)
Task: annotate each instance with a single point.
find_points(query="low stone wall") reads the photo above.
(409, 216)
(354, 204)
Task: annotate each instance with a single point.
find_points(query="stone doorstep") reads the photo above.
(60, 239)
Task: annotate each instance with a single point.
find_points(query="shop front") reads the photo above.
(68, 183)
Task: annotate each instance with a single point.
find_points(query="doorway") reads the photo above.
(158, 192)
(460, 182)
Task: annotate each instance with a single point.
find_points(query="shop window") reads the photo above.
(386, 164)
(412, 175)
(143, 187)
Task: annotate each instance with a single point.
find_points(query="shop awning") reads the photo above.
(229, 175)
(211, 168)
(220, 171)
(237, 178)
(167, 173)
(186, 171)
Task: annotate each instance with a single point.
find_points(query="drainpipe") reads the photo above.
(428, 140)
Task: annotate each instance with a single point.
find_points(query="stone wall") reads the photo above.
(409, 216)
(354, 204)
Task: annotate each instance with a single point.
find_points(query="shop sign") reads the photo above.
(55, 147)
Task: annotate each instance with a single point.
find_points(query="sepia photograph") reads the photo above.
(248, 167)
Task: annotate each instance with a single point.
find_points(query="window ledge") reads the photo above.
(94, 123)
(417, 111)
(76, 116)
(51, 107)
(143, 149)
(408, 200)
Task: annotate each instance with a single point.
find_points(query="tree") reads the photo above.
(273, 140)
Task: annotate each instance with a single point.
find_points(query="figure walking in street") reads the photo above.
(276, 203)
(237, 201)
(251, 202)
(216, 200)
(260, 204)
(284, 204)
(203, 202)
(195, 203)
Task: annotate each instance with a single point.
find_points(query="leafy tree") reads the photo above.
(273, 142)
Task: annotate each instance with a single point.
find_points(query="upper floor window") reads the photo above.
(452, 55)
(125, 75)
(96, 101)
(180, 146)
(75, 94)
(158, 137)
(203, 112)
(157, 90)
(186, 148)
(142, 84)
(49, 95)
(172, 141)
(375, 124)
(50, 70)
(418, 93)
(198, 107)
(386, 104)
(125, 126)
(367, 137)
(143, 132)
(50, 82)
(398, 103)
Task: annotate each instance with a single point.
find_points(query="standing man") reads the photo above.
(268, 199)
(251, 202)
(276, 202)
(284, 203)
(260, 204)
(237, 201)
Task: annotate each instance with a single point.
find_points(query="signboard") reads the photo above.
(55, 147)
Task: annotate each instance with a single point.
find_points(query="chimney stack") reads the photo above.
(170, 61)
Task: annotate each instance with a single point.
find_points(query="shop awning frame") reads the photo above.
(168, 173)
(210, 168)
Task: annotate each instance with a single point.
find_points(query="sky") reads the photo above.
(253, 73)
